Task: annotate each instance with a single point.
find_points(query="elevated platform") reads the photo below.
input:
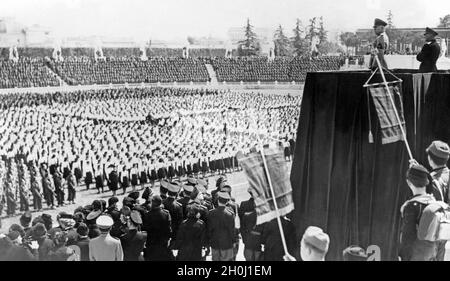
(351, 188)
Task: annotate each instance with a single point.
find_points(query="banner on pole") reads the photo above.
(253, 166)
(390, 126)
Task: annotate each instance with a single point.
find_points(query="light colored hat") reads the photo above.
(104, 222)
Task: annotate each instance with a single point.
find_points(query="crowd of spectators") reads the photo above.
(86, 71)
(25, 73)
(281, 69)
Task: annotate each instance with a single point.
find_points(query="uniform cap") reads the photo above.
(93, 215)
(134, 195)
(188, 188)
(439, 149)
(379, 22)
(104, 222)
(355, 253)
(317, 239)
(430, 31)
(135, 216)
(173, 187)
(224, 195)
(418, 175)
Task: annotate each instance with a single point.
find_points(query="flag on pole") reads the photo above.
(253, 165)
(390, 128)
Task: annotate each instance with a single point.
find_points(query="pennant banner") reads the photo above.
(253, 166)
(390, 128)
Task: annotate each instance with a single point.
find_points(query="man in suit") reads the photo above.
(220, 229)
(430, 52)
(83, 241)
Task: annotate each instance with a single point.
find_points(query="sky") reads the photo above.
(169, 19)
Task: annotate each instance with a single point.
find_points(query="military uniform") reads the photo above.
(190, 240)
(429, 54)
(176, 214)
(133, 242)
(411, 248)
(221, 232)
(440, 177)
(157, 223)
(251, 233)
(381, 44)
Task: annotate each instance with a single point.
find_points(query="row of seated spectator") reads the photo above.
(25, 73)
(85, 70)
(281, 69)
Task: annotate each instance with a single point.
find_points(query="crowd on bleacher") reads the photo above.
(25, 73)
(87, 71)
(281, 69)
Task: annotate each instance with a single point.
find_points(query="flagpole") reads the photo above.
(277, 211)
(280, 226)
(395, 108)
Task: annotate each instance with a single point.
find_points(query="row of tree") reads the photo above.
(312, 39)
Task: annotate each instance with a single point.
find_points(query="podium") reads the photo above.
(349, 187)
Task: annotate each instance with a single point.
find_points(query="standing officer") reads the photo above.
(380, 46)
(175, 208)
(220, 229)
(158, 225)
(430, 52)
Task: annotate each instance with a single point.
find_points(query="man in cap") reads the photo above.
(380, 45)
(430, 52)
(105, 247)
(158, 225)
(174, 207)
(438, 154)
(411, 248)
(191, 236)
(188, 190)
(314, 244)
(354, 253)
(25, 221)
(163, 189)
(133, 240)
(220, 229)
(251, 233)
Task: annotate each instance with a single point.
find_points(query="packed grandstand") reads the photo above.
(35, 68)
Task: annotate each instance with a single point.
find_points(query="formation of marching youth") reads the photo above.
(53, 142)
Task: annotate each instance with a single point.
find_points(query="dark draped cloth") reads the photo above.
(351, 188)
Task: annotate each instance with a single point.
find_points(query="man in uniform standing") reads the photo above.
(175, 209)
(158, 226)
(380, 46)
(430, 52)
(105, 247)
(220, 229)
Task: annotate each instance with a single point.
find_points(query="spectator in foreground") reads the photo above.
(314, 245)
(105, 247)
(354, 253)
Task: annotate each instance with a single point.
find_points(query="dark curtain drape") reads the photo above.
(351, 188)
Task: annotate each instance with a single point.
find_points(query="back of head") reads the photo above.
(314, 245)
(354, 253)
(156, 201)
(417, 175)
(82, 229)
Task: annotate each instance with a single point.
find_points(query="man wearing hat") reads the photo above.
(354, 253)
(380, 46)
(174, 207)
(105, 247)
(188, 190)
(220, 229)
(411, 248)
(158, 224)
(438, 154)
(430, 52)
(133, 240)
(314, 244)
